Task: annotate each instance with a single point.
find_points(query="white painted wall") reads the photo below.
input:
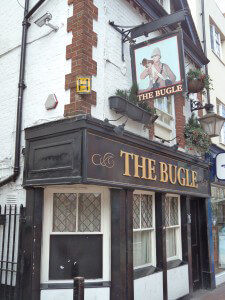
(89, 294)
(112, 72)
(149, 287)
(46, 67)
(178, 282)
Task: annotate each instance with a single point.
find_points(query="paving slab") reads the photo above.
(217, 294)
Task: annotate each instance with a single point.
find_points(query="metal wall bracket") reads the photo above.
(196, 105)
(145, 29)
(124, 35)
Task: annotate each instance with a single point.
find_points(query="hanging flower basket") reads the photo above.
(198, 82)
(195, 85)
(195, 137)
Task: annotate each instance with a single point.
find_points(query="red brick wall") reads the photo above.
(80, 53)
(179, 102)
(200, 112)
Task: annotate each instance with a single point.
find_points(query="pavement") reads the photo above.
(217, 294)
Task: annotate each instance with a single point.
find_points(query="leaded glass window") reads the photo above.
(76, 212)
(172, 226)
(143, 229)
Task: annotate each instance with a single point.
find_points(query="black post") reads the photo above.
(186, 237)
(161, 239)
(78, 288)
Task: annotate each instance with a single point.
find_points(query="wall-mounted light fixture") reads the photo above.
(210, 122)
(120, 128)
(44, 20)
(174, 147)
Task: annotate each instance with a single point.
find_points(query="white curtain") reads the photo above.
(142, 247)
(171, 242)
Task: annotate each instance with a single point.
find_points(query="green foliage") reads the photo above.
(197, 74)
(195, 136)
(131, 96)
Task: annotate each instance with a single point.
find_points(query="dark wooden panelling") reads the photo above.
(161, 261)
(129, 239)
(75, 255)
(31, 244)
(186, 236)
(118, 244)
(53, 159)
(121, 245)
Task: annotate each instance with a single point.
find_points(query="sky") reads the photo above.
(221, 4)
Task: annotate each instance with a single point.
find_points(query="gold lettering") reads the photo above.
(142, 166)
(181, 180)
(172, 175)
(127, 161)
(163, 172)
(187, 178)
(194, 179)
(151, 169)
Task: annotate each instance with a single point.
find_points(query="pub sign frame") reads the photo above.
(156, 82)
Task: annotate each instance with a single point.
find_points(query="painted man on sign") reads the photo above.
(159, 73)
(157, 68)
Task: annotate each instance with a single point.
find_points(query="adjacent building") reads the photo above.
(209, 18)
(107, 196)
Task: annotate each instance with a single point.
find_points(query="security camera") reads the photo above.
(44, 20)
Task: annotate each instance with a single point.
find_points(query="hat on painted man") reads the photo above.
(155, 52)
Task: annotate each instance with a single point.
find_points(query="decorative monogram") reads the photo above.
(105, 161)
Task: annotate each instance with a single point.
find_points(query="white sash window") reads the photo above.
(144, 229)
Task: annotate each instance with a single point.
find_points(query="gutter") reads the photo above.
(21, 86)
(205, 48)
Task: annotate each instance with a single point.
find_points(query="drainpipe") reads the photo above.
(209, 105)
(21, 87)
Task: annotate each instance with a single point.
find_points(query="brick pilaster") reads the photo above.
(80, 53)
(200, 112)
(180, 118)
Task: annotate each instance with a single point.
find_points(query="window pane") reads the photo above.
(173, 211)
(136, 211)
(171, 242)
(167, 212)
(146, 211)
(89, 212)
(142, 247)
(64, 212)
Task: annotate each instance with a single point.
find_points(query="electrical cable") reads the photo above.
(20, 4)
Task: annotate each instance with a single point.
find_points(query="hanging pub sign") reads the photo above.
(220, 166)
(158, 66)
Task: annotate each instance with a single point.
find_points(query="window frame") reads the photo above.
(172, 127)
(48, 229)
(220, 107)
(216, 43)
(178, 231)
(152, 230)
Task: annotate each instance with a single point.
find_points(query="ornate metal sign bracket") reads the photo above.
(144, 29)
(124, 34)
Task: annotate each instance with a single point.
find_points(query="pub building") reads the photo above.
(111, 202)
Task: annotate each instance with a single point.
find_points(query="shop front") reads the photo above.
(127, 214)
(218, 212)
